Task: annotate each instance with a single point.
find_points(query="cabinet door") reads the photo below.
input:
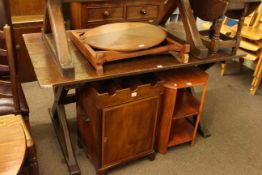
(129, 130)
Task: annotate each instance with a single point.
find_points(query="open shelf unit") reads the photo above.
(186, 105)
(179, 104)
(181, 132)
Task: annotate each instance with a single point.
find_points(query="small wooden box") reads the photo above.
(117, 119)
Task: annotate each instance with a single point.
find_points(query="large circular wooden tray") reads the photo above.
(125, 37)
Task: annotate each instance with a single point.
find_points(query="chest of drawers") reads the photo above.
(94, 13)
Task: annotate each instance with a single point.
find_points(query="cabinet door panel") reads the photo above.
(129, 130)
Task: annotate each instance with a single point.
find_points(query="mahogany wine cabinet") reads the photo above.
(117, 119)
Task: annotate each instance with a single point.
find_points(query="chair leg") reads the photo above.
(223, 68)
(32, 160)
(257, 77)
(241, 61)
(255, 85)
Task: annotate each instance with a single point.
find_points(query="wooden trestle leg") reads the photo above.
(58, 116)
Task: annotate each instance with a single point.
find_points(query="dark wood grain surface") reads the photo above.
(48, 74)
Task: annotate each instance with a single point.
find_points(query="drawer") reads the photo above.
(98, 14)
(141, 12)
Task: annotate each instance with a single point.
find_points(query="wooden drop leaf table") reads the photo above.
(48, 75)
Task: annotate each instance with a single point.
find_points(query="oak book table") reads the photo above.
(48, 75)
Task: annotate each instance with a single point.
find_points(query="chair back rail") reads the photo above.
(12, 82)
(4, 68)
(2, 35)
(3, 52)
(3, 82)
(5, 95)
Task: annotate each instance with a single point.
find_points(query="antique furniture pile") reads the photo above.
(112, 69)
(133, 78)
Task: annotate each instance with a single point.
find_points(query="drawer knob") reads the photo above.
(143, 12)
(106, 13)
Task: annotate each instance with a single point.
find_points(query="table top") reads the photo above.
(12, 149)
(124, 37)
(48, 74)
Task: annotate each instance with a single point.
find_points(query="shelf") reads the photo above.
(186, 105)
(181, 132)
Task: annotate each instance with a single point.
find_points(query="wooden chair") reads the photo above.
(214, 11)
(12, 99)
(30, 154)
(251, 44)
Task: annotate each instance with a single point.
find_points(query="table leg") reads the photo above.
(58, 116)
(223, 68)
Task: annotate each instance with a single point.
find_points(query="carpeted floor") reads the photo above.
(232, 115)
